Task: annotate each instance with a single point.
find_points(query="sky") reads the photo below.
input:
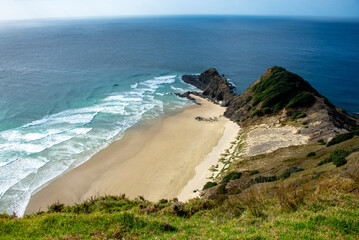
(30, 9)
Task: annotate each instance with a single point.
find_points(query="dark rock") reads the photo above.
(215, 88)
(206, 119)
(188, 96)
(277, 93)
(194, 81)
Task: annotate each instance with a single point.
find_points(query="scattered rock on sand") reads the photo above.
(203, 119)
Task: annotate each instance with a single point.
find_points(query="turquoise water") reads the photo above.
(69, 88)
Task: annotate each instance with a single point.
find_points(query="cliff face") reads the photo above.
(214, 86)
(277, 96)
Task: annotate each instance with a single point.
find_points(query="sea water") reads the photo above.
(69, 88)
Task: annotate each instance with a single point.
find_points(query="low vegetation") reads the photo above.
(286, 194)
(343, 137)
(302, 100)
(328, 210)
(290, 171)
(282, 89)
(337, 157)
(311, 154)
(256, 112)
(246, 100)
(298, 115)
(231, 176)
(209, 185)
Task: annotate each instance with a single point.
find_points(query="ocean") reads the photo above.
(69, 88)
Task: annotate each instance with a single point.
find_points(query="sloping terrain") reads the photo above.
(268, 188)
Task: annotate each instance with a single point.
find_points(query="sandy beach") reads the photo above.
(165, 160)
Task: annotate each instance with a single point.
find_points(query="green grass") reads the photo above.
(283, 89)
(328, 218)
(246, 100)
(298, 115)
(256, 112)
(305, 205)
(302, 100)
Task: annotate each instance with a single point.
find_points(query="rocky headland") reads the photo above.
(282, 119)
(276, 99)
(291, 172)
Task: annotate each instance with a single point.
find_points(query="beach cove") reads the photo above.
(155, 162)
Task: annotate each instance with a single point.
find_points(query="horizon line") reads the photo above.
(181, 15)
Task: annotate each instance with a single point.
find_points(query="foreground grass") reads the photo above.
(305, 201)
(229, 218)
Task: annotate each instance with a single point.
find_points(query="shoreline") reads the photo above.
(195, 185)
(157, 161)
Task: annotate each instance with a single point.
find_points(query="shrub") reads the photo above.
(246, 100)
(256, 100)
(209, 185)
(341, 138)
(321, 141)
(262, 179)
(221, 189)
(163, 201)
(325, 161)
(337, 157)
(178, 209)
(231, 176)
(267, 110)
(302, 100)
(254, 172)
(340, 161)
(167, 228)
(298, 115)
(289, 172)
(56, 207)
(355, 132)
(249, 108)
(195, 205)
(311, 154)
(256, 112)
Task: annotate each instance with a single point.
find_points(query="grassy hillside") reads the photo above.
(300, 192)
(284, 94)
(315, 202)
(281, 88)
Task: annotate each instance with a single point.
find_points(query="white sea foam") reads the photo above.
(123, 98)
(37, 152)
(178, 90)
(134, 85)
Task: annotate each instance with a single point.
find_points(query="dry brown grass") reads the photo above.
(253, 200)
(290, 197)
(353, 173)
